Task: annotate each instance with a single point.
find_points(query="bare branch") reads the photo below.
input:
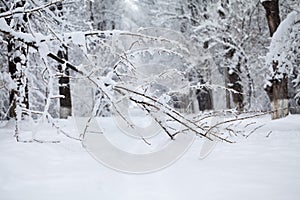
(254, 130)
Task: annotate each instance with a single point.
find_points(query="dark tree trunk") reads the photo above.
(105, 22)
(64, 88)
(234, 82)
(294, 101)
(91, 10)
(203, 95)
(17, 65)
(65, 102)
(272, 14)
(204, 98)
(278, 89)
(278, 95)
(17, 62)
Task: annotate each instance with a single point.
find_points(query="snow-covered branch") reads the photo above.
(22, 10)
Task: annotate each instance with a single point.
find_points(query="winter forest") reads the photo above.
(64, 58)
(217, 69)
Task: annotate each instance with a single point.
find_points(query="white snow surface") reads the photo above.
(256, 168)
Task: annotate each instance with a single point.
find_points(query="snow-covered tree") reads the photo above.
(17, 57)
(281, 57)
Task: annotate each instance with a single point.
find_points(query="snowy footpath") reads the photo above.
(256, 168)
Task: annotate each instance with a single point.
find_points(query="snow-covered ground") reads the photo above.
(256, 168)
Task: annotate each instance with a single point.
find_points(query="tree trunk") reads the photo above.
(235, 84)
(227, 93)
(294, 101)
(91, 10)
(17, 62)
(65, 109)
(278, 89)
(106, 22)
(203, 95)
(233, 81)
(272, 14)
(278, 95)
(64, 88)
(204, 98)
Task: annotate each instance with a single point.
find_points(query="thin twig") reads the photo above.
(254, 130)
(268, 135)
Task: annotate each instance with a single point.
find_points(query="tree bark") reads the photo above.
(17, 62)
(235, 84)
(278, 95)
(233, 81)
(105, 22)
(203, 95)
(278, 89)
(65, 109)
(272, 14)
